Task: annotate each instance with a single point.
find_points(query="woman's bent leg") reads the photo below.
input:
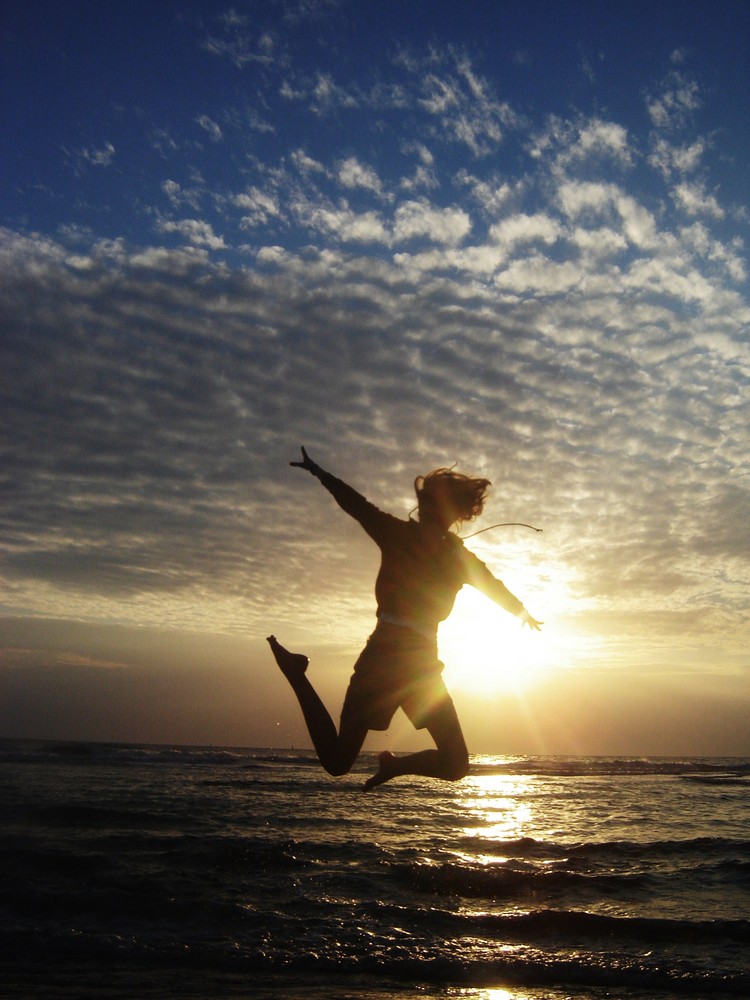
(336, 751)
(449, 760)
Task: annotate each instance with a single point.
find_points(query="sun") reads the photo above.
(486, 651)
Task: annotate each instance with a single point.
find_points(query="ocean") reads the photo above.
(192, 872)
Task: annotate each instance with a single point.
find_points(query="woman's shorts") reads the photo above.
(398, 668)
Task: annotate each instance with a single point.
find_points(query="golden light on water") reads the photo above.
(499, 805)
(494, 993)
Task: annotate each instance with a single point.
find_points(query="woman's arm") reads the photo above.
(479, 576)
(353, 503)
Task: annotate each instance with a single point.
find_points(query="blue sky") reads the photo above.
(512, 236)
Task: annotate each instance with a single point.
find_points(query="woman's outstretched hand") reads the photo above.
(526, 619)
(306, 463)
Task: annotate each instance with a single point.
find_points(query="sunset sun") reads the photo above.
(486, 651)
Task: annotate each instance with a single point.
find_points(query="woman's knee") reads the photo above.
(454, 762)
(342, 760)
(337, 768)
(457, 766)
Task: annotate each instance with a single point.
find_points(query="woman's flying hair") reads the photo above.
(466, 494)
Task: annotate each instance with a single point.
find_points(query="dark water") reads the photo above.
(190, 872)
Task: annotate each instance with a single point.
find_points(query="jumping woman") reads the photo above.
(423, 566)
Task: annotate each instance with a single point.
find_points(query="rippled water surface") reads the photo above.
(192, 872)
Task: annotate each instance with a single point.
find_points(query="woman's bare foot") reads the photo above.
(293, 665)
(387, 769)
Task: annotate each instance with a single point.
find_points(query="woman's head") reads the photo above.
(445, 496)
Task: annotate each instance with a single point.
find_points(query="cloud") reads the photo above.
(340, 221)
(450, 91)
(525, 229)
(152, 482)
(353, 174)
(694, 200)
(575, 143)
(492, 195)
(412, 219)
(94, 156)
(324, 96)
(180, 196)
(466, 107)
(237, 41)
(446, 226)
(195, 231)
(669, 159)
(677, 99)
(679, 56)
(605, 201)
(210, 126)
(568, 320)
(305, 164)
(21, 659)
(258, 207)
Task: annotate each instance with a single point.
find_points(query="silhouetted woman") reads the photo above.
(423, 566)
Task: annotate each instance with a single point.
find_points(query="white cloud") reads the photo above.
(426, 158)
(600, 138)
(271, 255)
(425, 176)
(668, 158)
(518, 229)
(326, 95)
(258, 207)
(423, 179)
(441, 96)
(353, 174)
(491, 195)
(639, 224)
(96, 156)
(599, 243)
(694, 200)
(447, 226)
(539, 276)
(605, 201)
(678, 57)
(195, 231)
(305, 164)
(340, 221)
(179, 196)
(672, 107)
(574, 143)
(163, 141)
(177, 390)
(210, 126)
(468, 111)
(240, 45)
(698, 239)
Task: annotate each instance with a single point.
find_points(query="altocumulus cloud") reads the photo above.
(575, 333)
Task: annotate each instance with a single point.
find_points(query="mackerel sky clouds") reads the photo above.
(511, 236)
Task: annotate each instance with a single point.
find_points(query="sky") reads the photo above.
(509, 236)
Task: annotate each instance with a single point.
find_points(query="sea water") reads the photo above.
(193, 872)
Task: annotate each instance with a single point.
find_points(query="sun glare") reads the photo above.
(486, 651)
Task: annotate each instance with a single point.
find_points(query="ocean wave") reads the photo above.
(397, 961)
(499, 882)
(50, 752)
(721, 768)
(613, 850)
(584, 928)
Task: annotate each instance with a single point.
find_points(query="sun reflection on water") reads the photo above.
(489, 993)
(499, 805)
